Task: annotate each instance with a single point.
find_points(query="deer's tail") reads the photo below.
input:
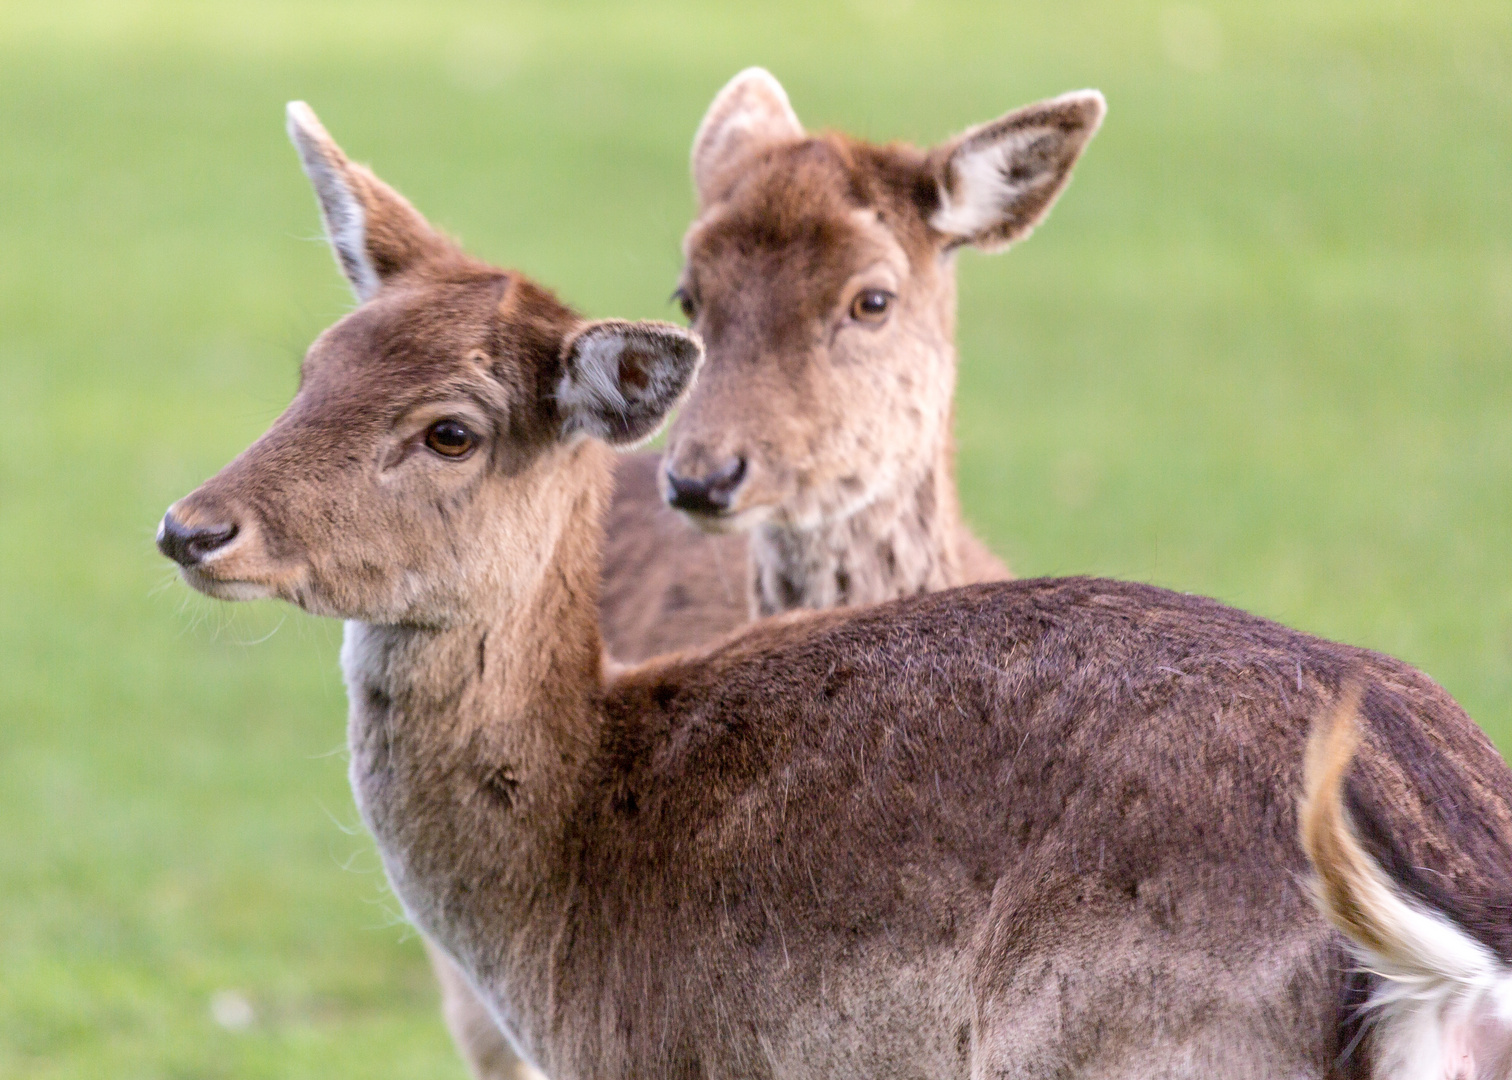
(1442, 1007)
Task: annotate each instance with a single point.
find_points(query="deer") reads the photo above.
(814, 455)
(816, 448)
(1033, 828)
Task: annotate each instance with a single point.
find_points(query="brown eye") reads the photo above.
(450, 439)
(871, 305)
(684, 300)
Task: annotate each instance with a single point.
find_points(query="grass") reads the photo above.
(1263, 350)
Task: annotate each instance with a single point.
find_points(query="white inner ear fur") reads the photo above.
(592, 392)
(342, 212)
(590, 386)
(983, 191)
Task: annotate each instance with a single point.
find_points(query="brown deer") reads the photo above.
(820, 272)
(821, 275)
(1038, 828)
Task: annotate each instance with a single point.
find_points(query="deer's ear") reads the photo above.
(620, 379)
(374, 232)
(750, 112)
(998, 181)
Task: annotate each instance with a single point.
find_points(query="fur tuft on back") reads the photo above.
(1443, 1008)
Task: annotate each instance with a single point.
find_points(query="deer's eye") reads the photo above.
(871, 305)
(684, 300)
(450, 438)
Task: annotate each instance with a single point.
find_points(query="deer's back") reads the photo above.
(1084, 781)
(1058, 704)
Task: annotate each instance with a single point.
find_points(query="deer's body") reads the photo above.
(1031, 829)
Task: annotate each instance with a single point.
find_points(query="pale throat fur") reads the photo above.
(906, 536)
(904, 542)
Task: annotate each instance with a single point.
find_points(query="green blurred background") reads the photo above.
(1262, 350)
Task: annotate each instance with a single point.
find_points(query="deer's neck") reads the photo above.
(469, 744)
(903, 543)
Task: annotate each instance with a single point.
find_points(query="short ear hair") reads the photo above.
(373, 231)
(751, 111)
(998, 180)
(620, 380)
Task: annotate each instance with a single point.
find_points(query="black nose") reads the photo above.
(188, 544)
(709, 494)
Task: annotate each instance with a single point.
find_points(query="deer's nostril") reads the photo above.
(189, 544)
(709, 494)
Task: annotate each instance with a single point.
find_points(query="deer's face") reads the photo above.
(819, 273)
(828, 314)
(426, 455)
(369, 494)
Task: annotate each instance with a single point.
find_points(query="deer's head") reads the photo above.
(819, 272)
(430, 449)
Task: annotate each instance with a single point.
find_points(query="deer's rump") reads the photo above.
(1041, 817)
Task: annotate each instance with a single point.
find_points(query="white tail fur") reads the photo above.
(1443, 1009)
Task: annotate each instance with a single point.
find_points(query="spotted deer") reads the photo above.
(1035, 828)
(820, 271)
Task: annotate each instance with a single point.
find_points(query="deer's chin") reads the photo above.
(735, 521)
(227, 588)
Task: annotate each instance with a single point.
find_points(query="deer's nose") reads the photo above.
(189, 544)
(707, 494)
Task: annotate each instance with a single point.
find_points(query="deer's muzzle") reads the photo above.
(189, 542)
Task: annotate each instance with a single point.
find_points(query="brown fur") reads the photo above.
(1035, 829)
(844, 427)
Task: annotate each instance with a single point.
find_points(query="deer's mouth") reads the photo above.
(203, 579)
(221, 552)
(726, 521)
